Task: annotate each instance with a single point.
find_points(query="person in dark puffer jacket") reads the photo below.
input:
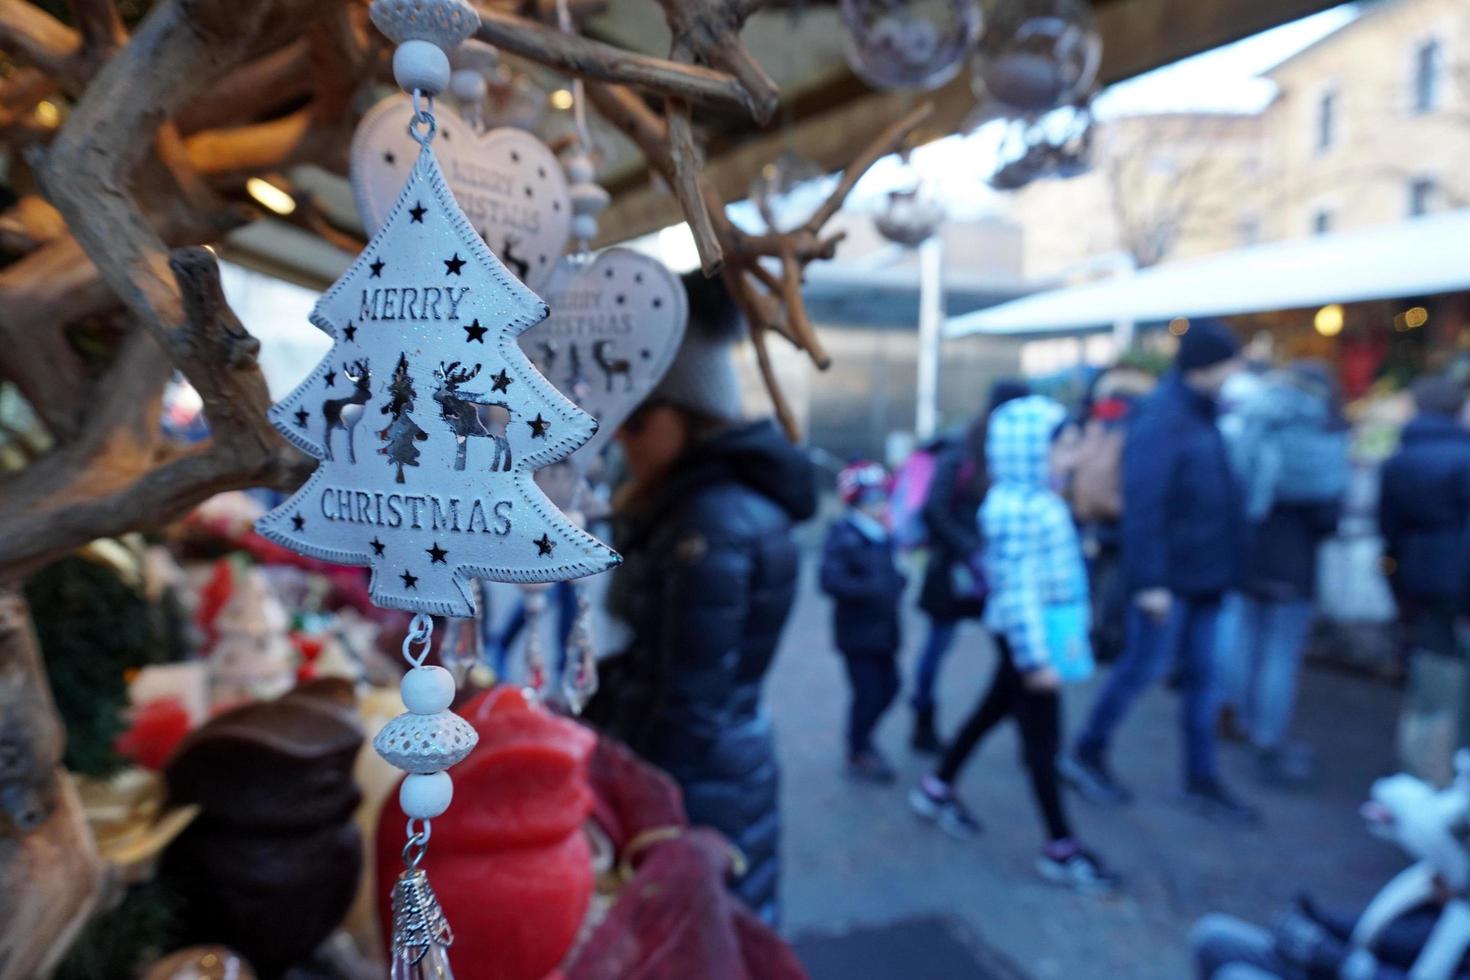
(708, 578)
(1183, 527)
(1424, 516)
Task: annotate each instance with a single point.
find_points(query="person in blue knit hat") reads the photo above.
(1183, 534)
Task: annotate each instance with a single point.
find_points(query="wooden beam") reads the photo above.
(1138, 36)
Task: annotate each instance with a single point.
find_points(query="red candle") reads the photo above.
(509, 861)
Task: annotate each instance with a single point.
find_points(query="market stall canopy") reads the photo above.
(1413, 258)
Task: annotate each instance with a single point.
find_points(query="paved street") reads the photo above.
(856, 858)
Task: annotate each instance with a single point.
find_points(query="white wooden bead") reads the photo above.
(421, 65)
(427, 690)
(468, 85)
(425, 796)
(584, 227)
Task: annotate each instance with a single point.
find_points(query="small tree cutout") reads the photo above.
(457, 500)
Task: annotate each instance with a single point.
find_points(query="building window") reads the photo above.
(1326, 121)
(1321, 221)
(1428, 66)
(1421, 196)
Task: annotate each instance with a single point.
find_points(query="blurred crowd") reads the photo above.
(1167, 528)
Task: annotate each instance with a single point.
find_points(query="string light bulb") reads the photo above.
(1329, 320)
(270, 196)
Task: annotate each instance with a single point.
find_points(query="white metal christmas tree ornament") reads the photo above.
(430, 421)
(510, 185)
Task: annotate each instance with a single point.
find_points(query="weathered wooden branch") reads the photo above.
(769, 301)
(588, 58)
(50, 875)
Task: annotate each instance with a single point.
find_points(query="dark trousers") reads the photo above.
(1038, 715)
(1186, 641)
(874, 682)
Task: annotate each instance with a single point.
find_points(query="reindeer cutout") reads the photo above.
(345, 413)
(517, 264)
(612, 366)
(460, 410)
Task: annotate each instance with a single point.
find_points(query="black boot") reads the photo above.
(925, 739)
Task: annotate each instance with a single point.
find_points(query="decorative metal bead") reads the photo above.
(443, 23)
(588, 198)
(425, 743)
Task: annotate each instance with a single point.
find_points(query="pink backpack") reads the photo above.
(906, 502)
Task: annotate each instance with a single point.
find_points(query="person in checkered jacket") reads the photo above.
(1037, 616)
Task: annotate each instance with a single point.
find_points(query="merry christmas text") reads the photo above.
(418, 511)
(408, 303)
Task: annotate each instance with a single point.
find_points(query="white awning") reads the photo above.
(1422, 257)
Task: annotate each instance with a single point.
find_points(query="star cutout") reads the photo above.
(298, 522)
(475, 332)
(538, 427)
(436, 555)
(378, 547)
(377, 266)
(501, 381)
(301, 416)
(638, 277)
(452, 266)
(645, 353)
(389, 158)
(544, 545)
(350, 332)
(410, 580)
(621, 300)
(417, 212)
(657, 303)
(331, 376)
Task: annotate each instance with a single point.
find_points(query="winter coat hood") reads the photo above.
(758, 456)
(1018, 444)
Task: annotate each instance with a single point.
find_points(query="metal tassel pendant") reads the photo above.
(421, 934)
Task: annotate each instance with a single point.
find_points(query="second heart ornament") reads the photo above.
(615, 325)
(509, 184)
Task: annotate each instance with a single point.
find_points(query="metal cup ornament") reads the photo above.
(909, 44)
(1036, 56)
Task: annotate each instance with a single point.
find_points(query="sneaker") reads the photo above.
(1068, 864)
(871, 767)
(945, 809)
(925, 739)
(1089, 775)
(1213, 801)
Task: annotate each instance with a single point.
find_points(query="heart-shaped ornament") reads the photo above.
(509, 183)
(615, 325)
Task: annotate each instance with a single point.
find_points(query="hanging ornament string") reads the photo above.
(588, 198)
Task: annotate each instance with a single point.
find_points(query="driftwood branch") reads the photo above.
(587, 58)
(769, 301)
